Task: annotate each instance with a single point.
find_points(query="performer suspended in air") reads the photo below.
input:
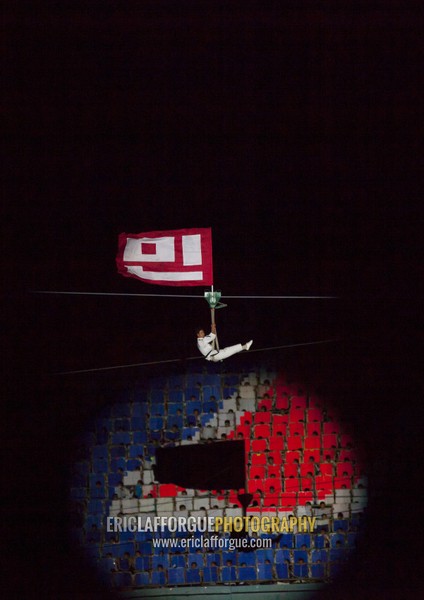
(205, 345)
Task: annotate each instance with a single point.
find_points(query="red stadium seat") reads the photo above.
(307, 468)
(254, 484)
(258, 458)
(288, 499)
(307, 484)
(259, 471)
(344, 467)
(347, 454)
(272, 500)
(326, 469)
(291, 470)
(296, 414)
(276, 456)
(304, 497)
(272, 482)
(296, 429)
(308, 453)
(276, 443)
(281, 402)
(279, 428)
(262, 417)
(246, 418)
(330, 427)
(346, 440)
(292, 484)
(341, 482)
(291, 456)
(312, 442)
(259, 445)
(298, 402)
(265, 402)
(314, 414)
(324, 483)
(295, 443)
(312, 428)
(273, 470)
(280, 419)
(261, 431)
(329, 440)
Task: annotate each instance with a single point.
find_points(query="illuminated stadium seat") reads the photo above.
(282, 570)
(121, 579)
(314, 414)
(277, 442)
(177, 561)
(210, 574)
(344, 467)
(296, 414)
(330, 427)
(291, 456)
(142, 578)
(313, 428)
(302, 539)
(158, 578)
(312, 442)
(192, 575)
(247, 573)
(295, 442)
(296, 428)
(300, 570)
(228, 574)
(318, 570)
(160, 560)
(265, 572)
(291, 470)
(281, 402)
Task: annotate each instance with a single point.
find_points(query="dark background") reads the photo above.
(292, 130)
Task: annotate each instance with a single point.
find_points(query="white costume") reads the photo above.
(206, 348)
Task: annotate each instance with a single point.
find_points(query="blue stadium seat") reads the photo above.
(193, 575)
(229, 555)
(118, 463)
(141, 578)
(195, 558)
(265, 572)
(122, 425)
(300, 570)
(341, 524)
(176, 576)
(297, 554)
(158, 578)
(177, 561)
(100, 465)
(133, 464)
(282, 570)
(174, 408)
(247, 573)
(121, 579)
(140, 437)
(248, 558)
(302, 539)
(264, 554)
(140, 409)
(189, 432)
(156, 423)
(175, 397)
(126, 536)
(338, 554)
(125, 547)
(320, 541)
(142, 563)
(281, 555)
(138, 424)
(209, 406)
(213, 557)
(121, 437)
(337, 537)
(95, 507)
(352, 537)
(192, 391)
(210, 575)
(136, 450)
(228, 574)
(287, 539)
(157, 410)
(160, 560)
(321, 555)
(117, 451)
(177, 420)
(192, 406)
(99, 452)
(318, 571)
(145, 548)
(157, 397)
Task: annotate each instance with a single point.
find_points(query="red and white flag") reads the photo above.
(179, 257)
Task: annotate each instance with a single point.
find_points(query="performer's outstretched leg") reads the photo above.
(230, 350)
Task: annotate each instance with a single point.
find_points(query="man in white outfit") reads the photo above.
(205, 345)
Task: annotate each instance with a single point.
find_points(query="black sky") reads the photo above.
(291, 129)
